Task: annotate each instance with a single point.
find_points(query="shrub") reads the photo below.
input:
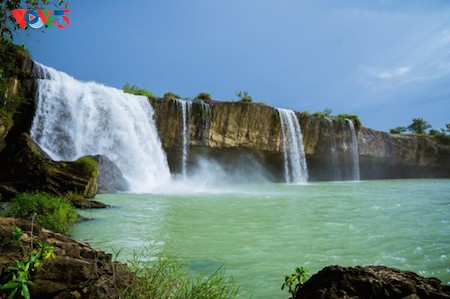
(244, 97)
(87, 165)
(354, 118)
(167, 277)
(171, 96)
(133, 89)
(294, 281)
(51, 212)
(204, 96)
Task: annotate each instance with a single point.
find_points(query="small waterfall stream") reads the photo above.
(75, 119)
(354, 151)
(186, 111)
(295, 169)
(333, 150)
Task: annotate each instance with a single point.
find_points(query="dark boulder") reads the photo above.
(26, 168)
(371, 282)
(110, 178)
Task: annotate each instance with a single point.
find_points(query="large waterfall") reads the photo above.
(354, 151)
(295, 170)
(186, 110)
(75, 119)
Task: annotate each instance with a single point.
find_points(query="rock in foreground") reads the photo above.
(371, 282)
(79, 271)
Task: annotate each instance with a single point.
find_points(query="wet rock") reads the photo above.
(381, 282)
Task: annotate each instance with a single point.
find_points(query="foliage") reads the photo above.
(447, 128)
(244, 96)
(133, 89)
(440, 137)
(51, 212)
(204, 96)
(398, 130)
(419, 126)
(167, 277)
(171, 96)
(24, 267)
(87, 165)
(293, 282)
(354, 118)
(8, 24)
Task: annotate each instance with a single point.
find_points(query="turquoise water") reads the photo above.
(260, 232)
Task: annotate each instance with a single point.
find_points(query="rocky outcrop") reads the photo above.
(79, 271)
(110, 179)
(335, 282)
(384, 155)
(235, 132)
(26, 168)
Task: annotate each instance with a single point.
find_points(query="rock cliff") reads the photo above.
(233, 132)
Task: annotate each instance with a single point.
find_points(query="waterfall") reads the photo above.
(354, 151)
(295, 170)
(186, 110)
(333, 150)
(75, 119)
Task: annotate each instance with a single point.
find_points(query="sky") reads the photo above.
(388, 61)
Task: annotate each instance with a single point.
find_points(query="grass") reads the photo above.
(88, 165)
(166, 276)
(133, 89)
(50, 212)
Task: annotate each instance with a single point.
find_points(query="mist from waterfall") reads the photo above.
(75, 119)
(295, 169)
(354, 151)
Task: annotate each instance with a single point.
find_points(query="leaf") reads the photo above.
(25, 292)
(9, 285)
(12, 294)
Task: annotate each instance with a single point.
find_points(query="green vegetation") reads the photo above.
(22, 269)
(48, 211)
(419, 127)
(168, 277)
(244, 96)
(293, 282)
(170, 96)
(88, 165)
(133, 89)
(354, 118)
(325, 113)
(204, 96)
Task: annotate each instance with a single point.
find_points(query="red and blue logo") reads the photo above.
(37, 18)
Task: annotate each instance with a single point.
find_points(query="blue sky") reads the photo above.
(387, 61)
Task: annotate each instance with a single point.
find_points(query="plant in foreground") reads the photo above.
(293, 282)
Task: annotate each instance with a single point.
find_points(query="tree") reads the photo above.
(8, 24)
(398, 130)
(419, 126)
(243, 96)
(327, 112)
(447, 127)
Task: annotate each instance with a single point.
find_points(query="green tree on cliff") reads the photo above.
(8, 24)
(419, 126)
(398, 130)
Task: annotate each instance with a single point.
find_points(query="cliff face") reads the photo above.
(235, 133)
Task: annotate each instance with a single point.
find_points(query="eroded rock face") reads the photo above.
(26, 168)
(79, 271)
(229, 132)
(381, 282)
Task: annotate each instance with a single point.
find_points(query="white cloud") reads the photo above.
(400, 71)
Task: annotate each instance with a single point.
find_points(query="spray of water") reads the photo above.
(75, 119)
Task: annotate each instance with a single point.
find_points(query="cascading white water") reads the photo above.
(75, 119)
(295, 169)
(354, 150)
(333, 149)
(186, 108)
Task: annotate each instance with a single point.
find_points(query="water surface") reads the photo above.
(260, 232)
